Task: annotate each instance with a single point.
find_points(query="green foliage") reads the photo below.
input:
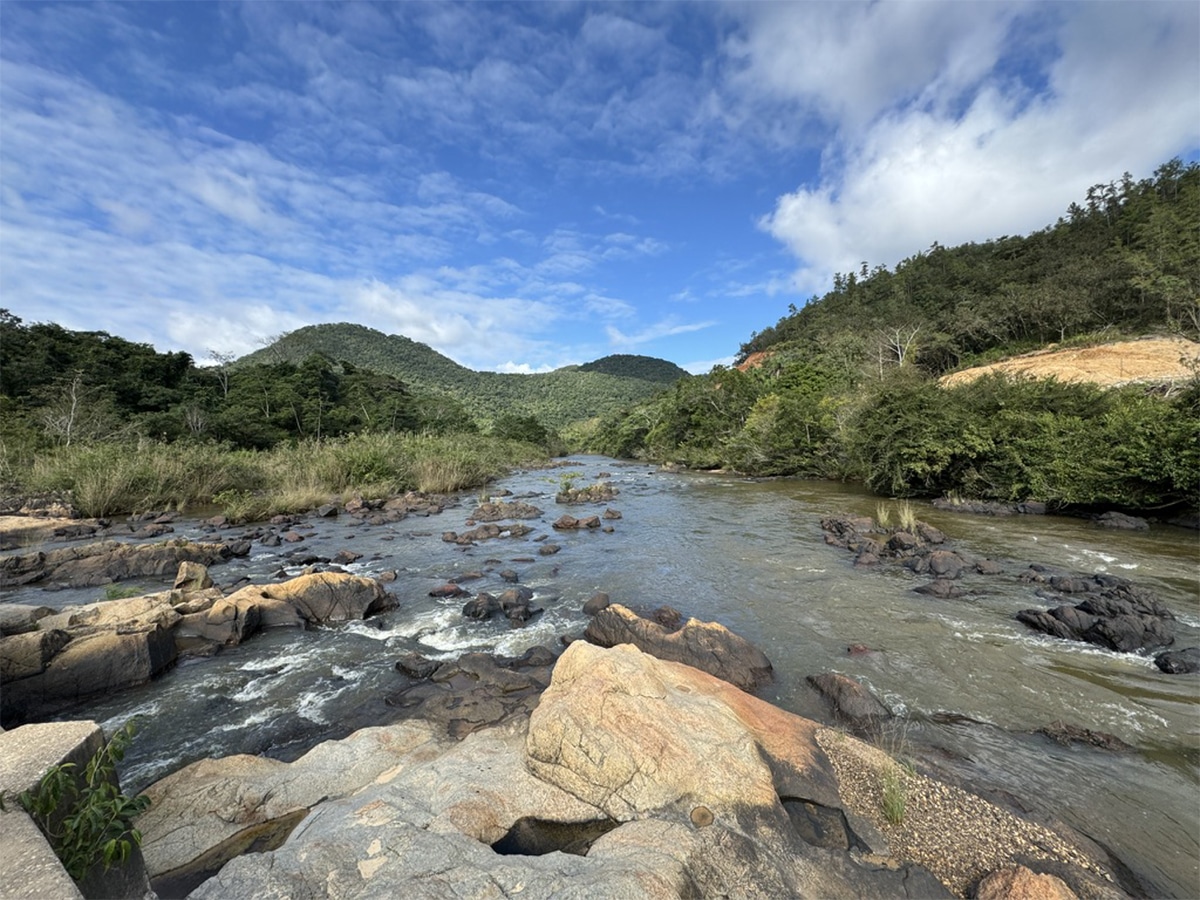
(1128, 259)
(88, 821)
(894, 794)
(555, 399)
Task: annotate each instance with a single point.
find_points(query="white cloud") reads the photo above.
(1008, 162)
(665, 328)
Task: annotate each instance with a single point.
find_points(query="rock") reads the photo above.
(448, 590)
(495, 512)
(104, 562)
(929, 534)
(706, 646)
(414, 665)
(345, 557)
(945, 564)
(1113, 613)
(475, 691)
(548, 549)
(851, 702)
(1120, 521)
(595, 603)
(902, 543)
(228, 621)
(87, 665)
(215, 809)
(23, 655)
(1067, 734)
(326, 511)
(565, 522)
(324, 597)
(192, 576)
(942, 588)
(611, 514)
(1019, 883)
(509, 576)
(18, 618)
(1177, 662)
(482, 606)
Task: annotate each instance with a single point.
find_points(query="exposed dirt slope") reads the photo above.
(1110, 365)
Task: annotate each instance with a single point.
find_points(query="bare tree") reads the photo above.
(896, 344)
(221, 363)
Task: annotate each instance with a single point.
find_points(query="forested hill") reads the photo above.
(848, 386)
(555, 398)
(1127, 260)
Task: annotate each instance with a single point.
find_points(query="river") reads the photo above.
(971, 682)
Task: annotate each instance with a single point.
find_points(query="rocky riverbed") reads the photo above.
(447, 707)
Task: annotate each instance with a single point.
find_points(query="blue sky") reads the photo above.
(528, 186)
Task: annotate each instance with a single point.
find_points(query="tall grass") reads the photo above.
(106, 479)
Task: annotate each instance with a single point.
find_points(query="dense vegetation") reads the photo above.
(846, 387)
(555, 399)
(125, 428)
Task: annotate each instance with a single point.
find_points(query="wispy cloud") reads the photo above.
(665, 328)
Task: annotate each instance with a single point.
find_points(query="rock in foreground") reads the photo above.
(634, 777)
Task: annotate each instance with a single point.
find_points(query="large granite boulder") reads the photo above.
(322, 597)
(707, 646)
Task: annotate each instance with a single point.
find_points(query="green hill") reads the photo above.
(555, 398)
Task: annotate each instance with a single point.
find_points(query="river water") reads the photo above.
(971, 682)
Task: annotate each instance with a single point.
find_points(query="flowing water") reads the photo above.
(971, 682)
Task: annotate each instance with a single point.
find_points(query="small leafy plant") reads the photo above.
(88, 821)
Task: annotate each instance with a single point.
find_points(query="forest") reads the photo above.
(846, 386)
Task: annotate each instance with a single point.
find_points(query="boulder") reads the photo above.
(1112, 612)
(1177, 662)
(23, 655)
(707, 646)
(851, 702)
(323, 597)
(212, 810)
(595, 603)
(1120, 521)
(495, 512)
(1019, 883)
(87, 665)
(482, 606)
(192, 576)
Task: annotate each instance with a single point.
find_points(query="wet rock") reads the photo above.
(482, 606)
(595, 603)
(942, 588)
(509, 576)
(1120, 521)
(902, 543)
(1179, 662)
(929, 534)
(1113, 613)
(1066, 734)
(416, 666)
(851, 702)
(548, 549)
(988, 567)
(326, 511)
(612, 514)
(345, 557)
(291, 537)
(945, 564)
(495, 512)
(448, 590)
(485, 532)
(707, 646)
